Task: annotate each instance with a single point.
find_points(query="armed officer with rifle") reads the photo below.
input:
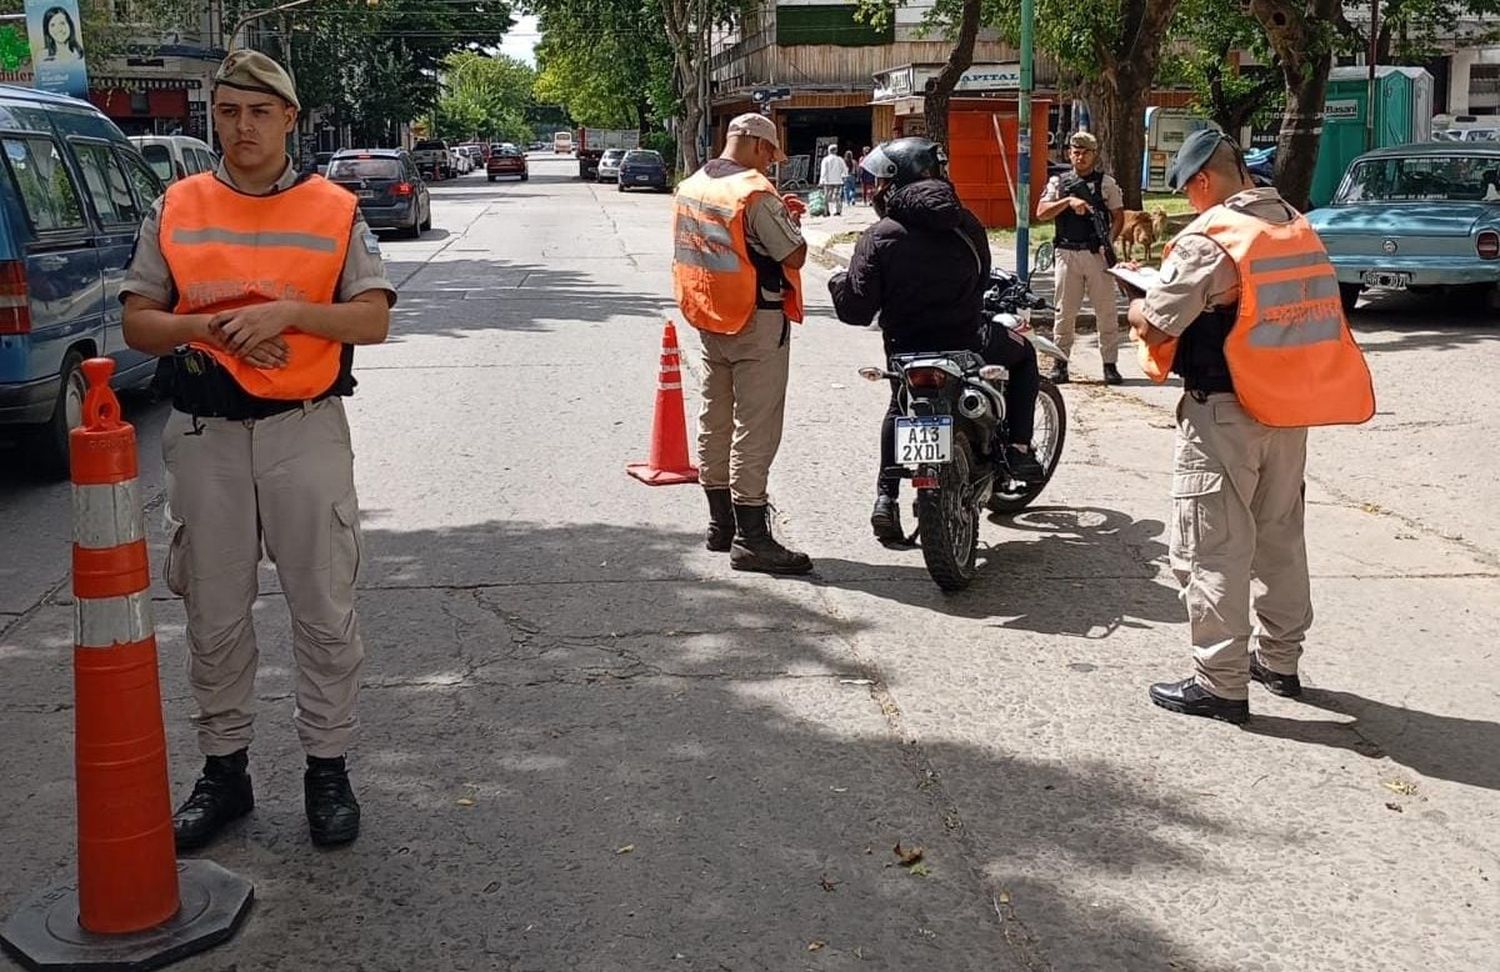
(1088, 207)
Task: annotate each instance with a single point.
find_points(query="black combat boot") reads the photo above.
(755, 549)
(332, 811)
(1190, 698)
(885, 519)
(1023, 466)
(1112, 374)
(221, 795)
(720, 535)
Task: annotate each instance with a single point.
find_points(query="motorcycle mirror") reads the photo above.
(872, 374)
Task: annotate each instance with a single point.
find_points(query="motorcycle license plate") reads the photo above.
(924, 439)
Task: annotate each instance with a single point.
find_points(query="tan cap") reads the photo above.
(1084, 140)
(757, 126)
(253, 71)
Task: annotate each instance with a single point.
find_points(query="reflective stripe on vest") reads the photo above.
(713, 275)
(1292, 357)
(226, 249)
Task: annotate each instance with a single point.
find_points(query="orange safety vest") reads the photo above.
(226, 249)
(712, 271)
(1291, 355)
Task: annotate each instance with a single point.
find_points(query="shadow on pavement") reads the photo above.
(452, 297)
(1084, 572)
(598, 759)
(1436, 746)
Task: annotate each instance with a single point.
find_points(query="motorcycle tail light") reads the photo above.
(927, 377)
(1488, 245)
(924, 482)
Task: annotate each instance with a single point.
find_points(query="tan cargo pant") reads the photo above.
(287, 481)
(1237, 498)
(1075, 273)
(744, 401)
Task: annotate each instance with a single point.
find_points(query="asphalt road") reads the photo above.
(588, 744)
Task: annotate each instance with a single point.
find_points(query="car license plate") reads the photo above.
(367, 194)
(1388, 279)
(642, 178)
(924, 439)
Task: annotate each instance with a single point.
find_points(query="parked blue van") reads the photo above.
(73, 191)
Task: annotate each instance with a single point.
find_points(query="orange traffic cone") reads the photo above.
(133, 905)
(667, 464)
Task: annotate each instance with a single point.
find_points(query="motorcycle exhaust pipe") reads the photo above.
(973, 405)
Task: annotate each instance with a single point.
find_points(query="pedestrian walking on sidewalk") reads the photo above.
(851, 181)
(866, 180)
(1086, 203)
(1248, 314)
(831, 177)
(254, 283)
(737, 260)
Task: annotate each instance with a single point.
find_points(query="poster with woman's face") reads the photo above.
(57, 46)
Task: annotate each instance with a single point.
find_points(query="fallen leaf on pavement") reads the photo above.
(919, 869)
(465, 802)
(907, 855)
(826, 884)
(1400, 786)
(625, 850)
(1393, 805)
(815, 945)
(1005, 897)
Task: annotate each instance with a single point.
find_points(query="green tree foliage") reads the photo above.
(607, 62)
(1206, 35)
(487, 97)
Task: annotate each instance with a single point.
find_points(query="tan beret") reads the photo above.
(253, 71)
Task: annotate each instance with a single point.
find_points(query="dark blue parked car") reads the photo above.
(72, 196)
(643, 169)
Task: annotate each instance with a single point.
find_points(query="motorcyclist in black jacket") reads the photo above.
(923, 268)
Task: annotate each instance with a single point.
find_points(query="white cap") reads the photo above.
(754, 125)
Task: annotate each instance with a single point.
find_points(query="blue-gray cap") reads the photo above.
(1196, 150)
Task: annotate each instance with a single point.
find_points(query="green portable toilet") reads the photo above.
(1403, 99)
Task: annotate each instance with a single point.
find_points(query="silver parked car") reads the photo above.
(1416, 217)
(609, 165)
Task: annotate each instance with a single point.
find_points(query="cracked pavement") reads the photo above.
(587, 744)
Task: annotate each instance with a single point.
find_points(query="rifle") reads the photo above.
(1102, 226)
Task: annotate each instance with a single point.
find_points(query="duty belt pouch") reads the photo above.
(200, 387)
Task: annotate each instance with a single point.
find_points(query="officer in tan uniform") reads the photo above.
(738, 253)
(1247, 313)
(1074, 200)
(254, 285)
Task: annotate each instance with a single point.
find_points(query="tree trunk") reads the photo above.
(688, 65)
(1300, 35)
(1128, 61)
(1120, 125)
(940, 92)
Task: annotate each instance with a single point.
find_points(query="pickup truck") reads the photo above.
(432, 158)
(591, 143)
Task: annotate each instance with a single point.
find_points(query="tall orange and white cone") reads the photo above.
(667, 464)
(133, 905)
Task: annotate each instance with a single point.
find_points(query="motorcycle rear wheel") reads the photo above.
(948, 521)
(1051, 432)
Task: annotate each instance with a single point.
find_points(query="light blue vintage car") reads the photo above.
(1417, 217)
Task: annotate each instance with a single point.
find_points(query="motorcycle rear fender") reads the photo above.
(1045, 346)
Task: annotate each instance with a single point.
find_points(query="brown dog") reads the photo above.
(1143, 228)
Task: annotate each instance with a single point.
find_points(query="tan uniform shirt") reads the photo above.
(1198, 275)
(149, 275)
(1113, 198)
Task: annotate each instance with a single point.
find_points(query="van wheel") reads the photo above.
(51, 442)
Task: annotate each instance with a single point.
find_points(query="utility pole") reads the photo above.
(1023, 145)
(1373, 56)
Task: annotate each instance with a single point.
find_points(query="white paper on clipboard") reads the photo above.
(1137, 280)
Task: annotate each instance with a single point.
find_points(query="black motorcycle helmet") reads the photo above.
(906, 160)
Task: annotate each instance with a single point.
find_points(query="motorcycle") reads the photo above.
(950, 442)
